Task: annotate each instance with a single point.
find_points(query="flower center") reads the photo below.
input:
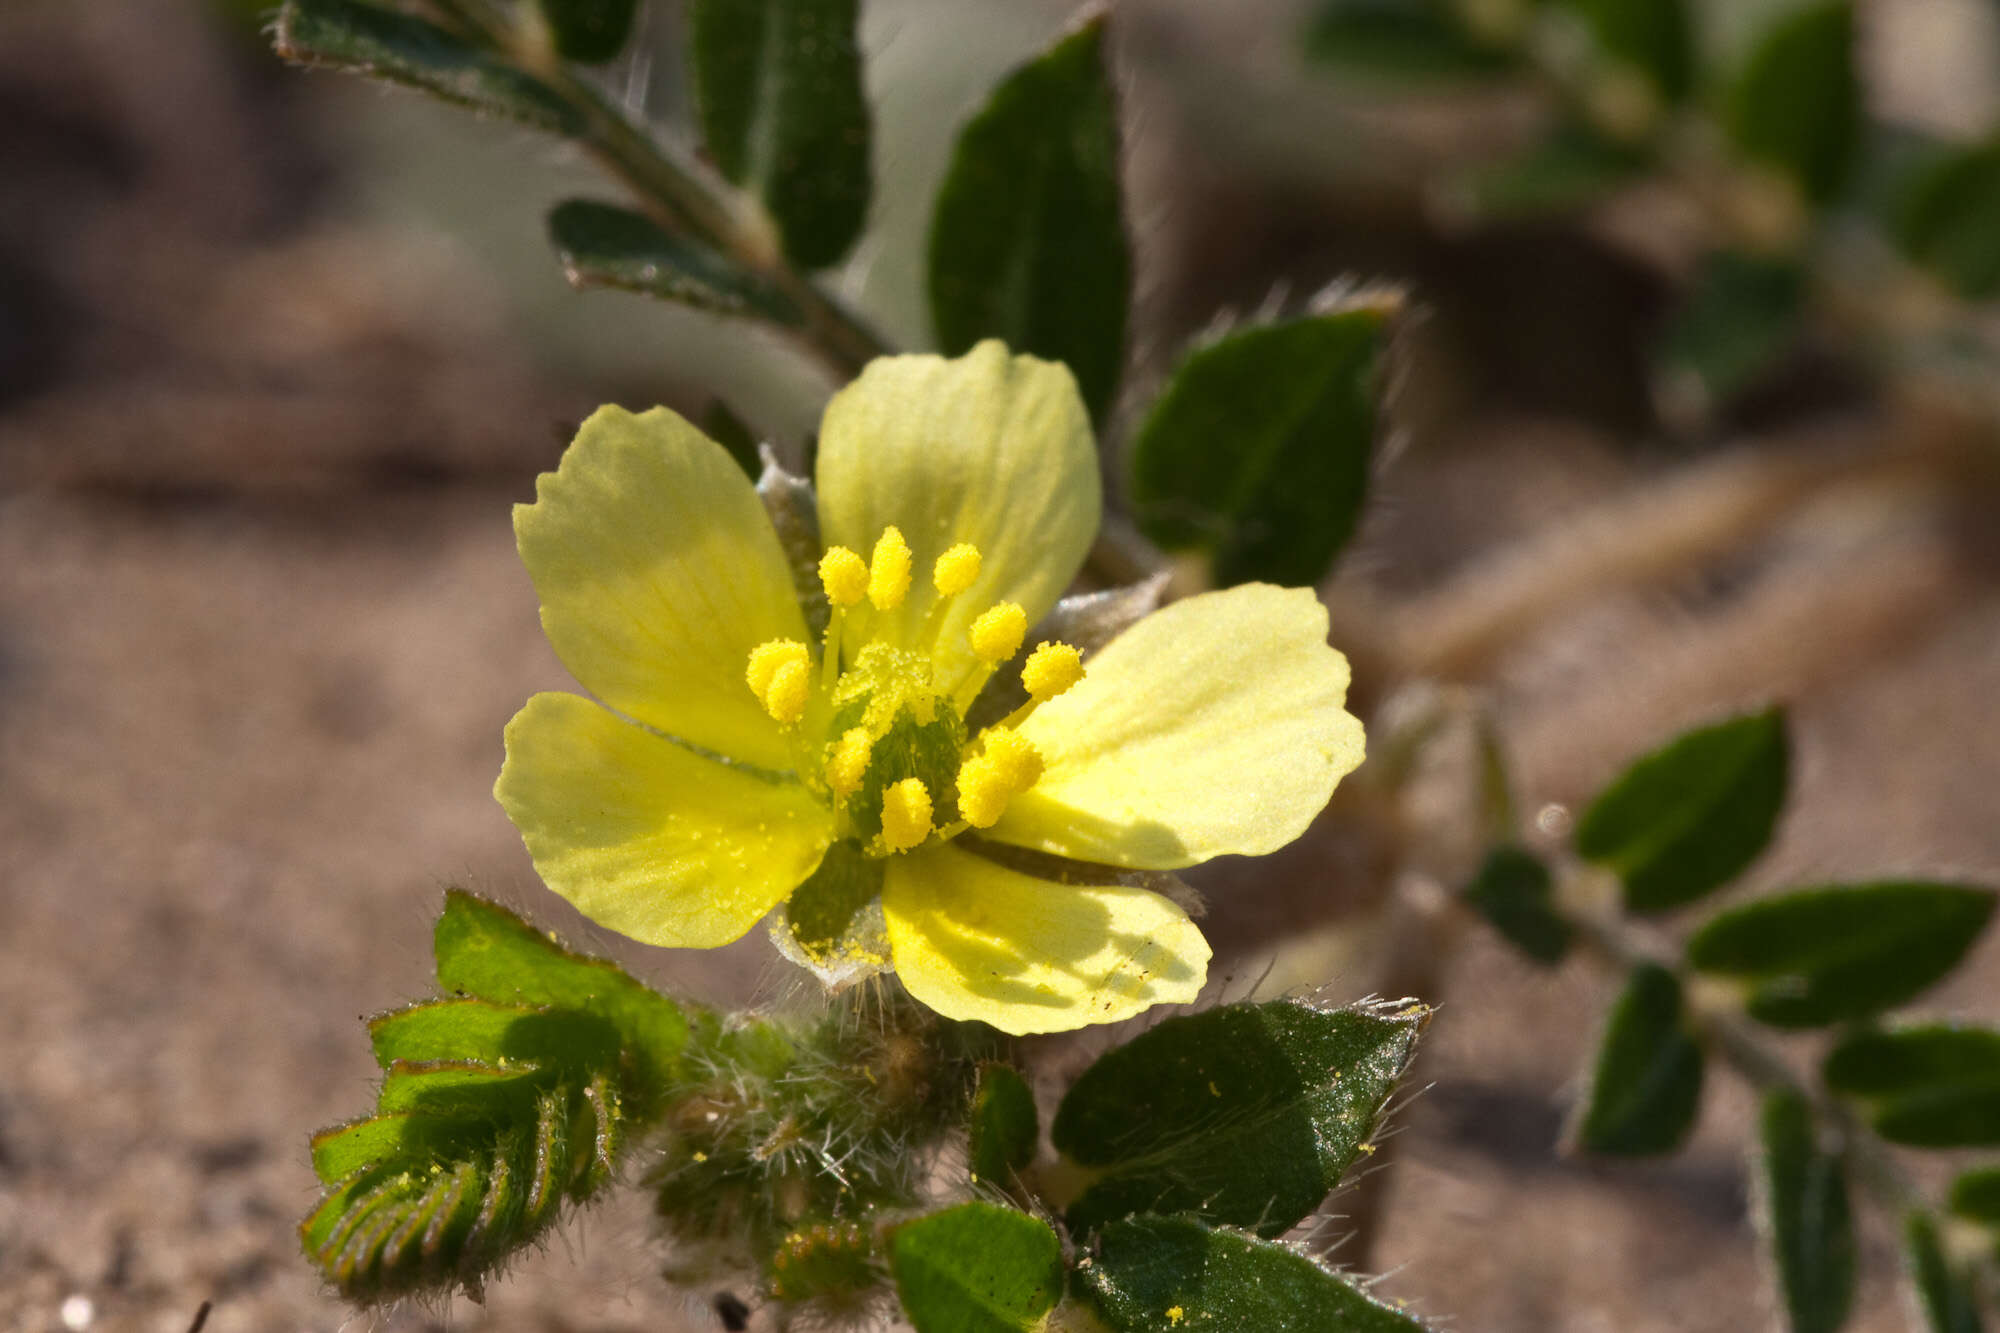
(877, 730)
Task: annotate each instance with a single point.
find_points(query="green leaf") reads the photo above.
(1877, 1063)
(485, 951)
(1027, 240)
(367, 39)
(1259, 448)
(1004, 1126)
(1959, 1114)
(779, 89)
(1945, 1292)
(1399, 40)
(1646, 1090)
(1795, 105)
(493, 1034)
(1803, 1204)
(1654, 37)
(977, 1268)
(592, 31)
(1742, 316)
(1160, 1273)
(1512, 891)
(1947, 219)
(1690, 816)
(1976, 1194)
(604, 246)
(1829, 955)
(1570, 170)
(1247, 1114)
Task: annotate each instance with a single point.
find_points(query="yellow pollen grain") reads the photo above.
(791, 686)
(849, 762)
(766, 658)
(906, 814)
(889, 570)
(956, 570)
(844, 576)
(996, 635)
(1051, 669)
(1014, 756)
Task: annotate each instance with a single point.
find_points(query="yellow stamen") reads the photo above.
(791, 686)
(996, 635)
(889, 570)
(1008, 766)
(843, 575)
(956, 570)
(1015, 756)
(766, 658)
(1051, 669)
(906, 814)
(849, 762)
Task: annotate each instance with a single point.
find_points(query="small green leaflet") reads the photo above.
(602, 245)
(1932, 1086)
(977, 1268)
(1948, 219)
(1795, 106)
(1802, 1196)
(1945, 1292)
(1654, 37)
(592, 31)
(1004, 1127)
(1646, 1089)
(1512, 892)
(1741, 317)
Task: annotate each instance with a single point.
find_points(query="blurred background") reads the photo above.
(279, 350)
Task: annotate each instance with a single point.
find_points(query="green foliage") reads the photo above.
(1156, 1273)
(1573, 168)
(384, 44)
(778, 84)
(1688, 817)
(1027, 240)
(1795, 105)
(1248, 1114)
(1945, 1293)
(1976, 1194)
(1004, 1128)
(1828, 955)
(1743, 314)
(591, 31)
(605, 246)
(1876, 1063)
(1804, 1211)
(498, 1106)
(1399, 39)
(1653, 37)
(1646, 1089)
(1512, 892)
(1259, 448)
(1948, 219)
(977, 1268)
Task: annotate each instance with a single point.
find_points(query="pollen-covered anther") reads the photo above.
(791, 687)
(767, 660)
(996, 635)
(844, 575)
(956, 570)
(1050, 670)
(1008, 766)
(889, 570)
(906, 814)
(848, 764)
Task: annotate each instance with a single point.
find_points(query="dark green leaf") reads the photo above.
(733, 433)
(1829, 955)
(1396, 40)
(1004, 1126)
(1795, 106)
(1945, 1292)
(367, 39)
(592, 31)
(1571, 169)
(1874, 1063)
(483, 950)
(494, 1034)
(1976, 1194)
(977, 1268)
(1743, 315)
(1688, 817)
(604, 246)
(1152, 1274)
(1247, 1114)
(1027, 240)
(1259, 448)
(778, 84)
(1948, 219)
(1803, 1197)
(1512, 892)
(1646, 1089)
(1653, 37)
(1957, 1114)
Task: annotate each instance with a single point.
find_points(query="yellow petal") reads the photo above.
(1214, 725)
(973, 939)
(989, 449)
(645, 836)
(658, 573)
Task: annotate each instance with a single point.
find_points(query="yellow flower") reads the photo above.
(742, 755)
